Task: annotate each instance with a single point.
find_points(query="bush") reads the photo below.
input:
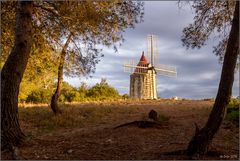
(233, 115)
(233, 110)
(39, 96)
(70, 94)
(125, 96)
(234, 103)
(102, 91)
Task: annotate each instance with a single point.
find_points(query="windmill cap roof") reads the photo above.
(143, 60)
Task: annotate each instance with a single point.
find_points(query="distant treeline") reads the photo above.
(100, 91)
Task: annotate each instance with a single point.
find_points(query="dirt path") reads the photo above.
(101, 141)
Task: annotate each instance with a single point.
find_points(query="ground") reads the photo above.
(85, 131)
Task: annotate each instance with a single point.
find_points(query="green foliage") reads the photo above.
(69, 93)
(233, 110)
(234, 103)
(40, 73)
(89, 23)
(233, 115)
(39, 96)
(102, 91)
(8, 16)
(41, 68)
(125, 96)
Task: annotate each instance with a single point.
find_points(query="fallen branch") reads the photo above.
(142, 124)
(152, 123)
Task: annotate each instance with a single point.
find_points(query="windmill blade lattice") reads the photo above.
(166, 70)
(152, 49)
(132, 67)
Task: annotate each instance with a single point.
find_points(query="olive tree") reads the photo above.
(221, 18)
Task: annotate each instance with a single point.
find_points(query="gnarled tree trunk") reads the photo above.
(11, 76)
(201, 140)
(55, 96)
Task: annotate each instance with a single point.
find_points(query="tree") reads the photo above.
(41, 69)
(87, 24)
(196, 37)
(57, 93)
(8, 23)
(40, 73)
(52, 23)
(12, 73)
(212, 18)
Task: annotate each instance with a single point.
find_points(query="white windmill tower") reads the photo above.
(143, 74)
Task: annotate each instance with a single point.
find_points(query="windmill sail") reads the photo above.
(152, 49)
(166, 70)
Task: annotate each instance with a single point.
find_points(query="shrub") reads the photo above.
(234, 103)
(233, 110)
(69, 95)
(102, 91)
(233, 115)
(125, 96)
(39, 96)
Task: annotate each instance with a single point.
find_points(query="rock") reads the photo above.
(153, 115)
(109, 141)
(16, 153)
(69, 151)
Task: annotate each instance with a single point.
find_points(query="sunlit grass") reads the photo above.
(43, 118)
(73, 115)
(40, 119)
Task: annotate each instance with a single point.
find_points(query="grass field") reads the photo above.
(85, 131)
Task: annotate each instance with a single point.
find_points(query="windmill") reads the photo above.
(143, 73)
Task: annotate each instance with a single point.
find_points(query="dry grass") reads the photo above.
(41, 118)
(87, 129)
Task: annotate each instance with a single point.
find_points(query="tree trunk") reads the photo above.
(202, 139)
(55, 96)
(11, 76)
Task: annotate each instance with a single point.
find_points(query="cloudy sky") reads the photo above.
(198, 70)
